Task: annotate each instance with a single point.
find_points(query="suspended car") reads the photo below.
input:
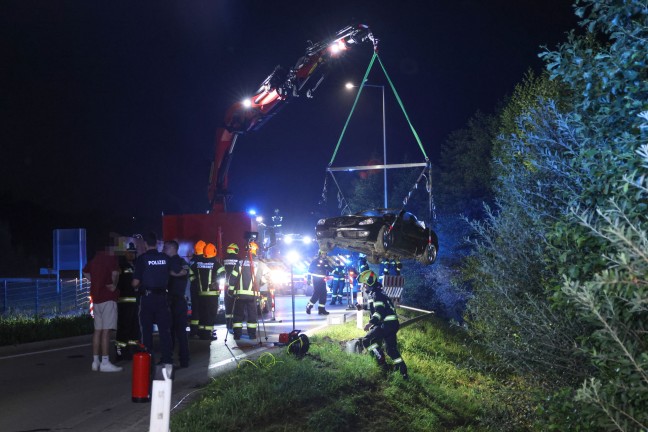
(369, 232)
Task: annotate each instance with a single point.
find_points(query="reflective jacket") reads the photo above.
(381, 308)
(243, 285)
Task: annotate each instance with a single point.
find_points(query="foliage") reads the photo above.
(23, 329)
(466, 171)
(330, 390)
(512, 266)
(615, 301)
(571, 203)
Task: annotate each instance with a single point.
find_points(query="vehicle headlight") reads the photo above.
(367, 221)
(321, 222)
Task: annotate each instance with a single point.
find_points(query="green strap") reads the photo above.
(355, 102)
(418, 140)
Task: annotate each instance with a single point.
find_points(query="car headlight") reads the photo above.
(321, 222)
(367, 221)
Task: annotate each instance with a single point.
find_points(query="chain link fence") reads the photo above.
(44, 297)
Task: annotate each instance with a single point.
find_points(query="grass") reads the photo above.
(18, 329)
(330, 390)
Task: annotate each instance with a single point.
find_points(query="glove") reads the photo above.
(367, 327)
(359, 307)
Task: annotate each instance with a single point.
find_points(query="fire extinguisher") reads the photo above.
(141, 386)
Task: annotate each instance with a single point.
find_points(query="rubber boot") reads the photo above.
(309, 306)
(321, 310)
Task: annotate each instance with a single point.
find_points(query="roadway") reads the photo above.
(49, 386)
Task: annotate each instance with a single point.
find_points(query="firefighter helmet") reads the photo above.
(367, 277)
(232, 248)
(199, 247)
(209, 251)
(254, 248)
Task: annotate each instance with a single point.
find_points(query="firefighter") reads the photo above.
(398, 266)
(337, 285)
(179, 271)
(151, 277)
(246, 291)
(386, 267)
(318, 270)
(382, 326)
(230, 262)
(353, 285)
(128, 333)
(194, 288)
(362, 263)
(209, 273)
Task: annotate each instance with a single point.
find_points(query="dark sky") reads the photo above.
(113, 106)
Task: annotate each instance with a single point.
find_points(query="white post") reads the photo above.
(161, 401)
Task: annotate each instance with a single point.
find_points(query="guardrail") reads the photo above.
(44, 297)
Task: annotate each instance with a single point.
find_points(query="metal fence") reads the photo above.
(44, 297)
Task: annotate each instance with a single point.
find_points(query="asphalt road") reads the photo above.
(49, 386)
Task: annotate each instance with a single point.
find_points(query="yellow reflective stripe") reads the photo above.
(252, 325)
(376, 314)
(237, 325)
(372, 346)
(391, 318)
(209, 293)
(229, 315)
(398, 360)
(127, 300)
(208, 327)
(378, 303)
(194, 322)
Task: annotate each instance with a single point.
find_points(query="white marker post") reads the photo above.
(360, 312)
(161, 399)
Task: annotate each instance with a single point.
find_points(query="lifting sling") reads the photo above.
(426, 174)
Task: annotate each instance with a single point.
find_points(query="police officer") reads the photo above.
(245, 289)
(178, 276)
(230, 262)
(128, 333)
(209, 273)
(337, 285)
(318, 270)
(151, 277)
(383, 324)
(194, 288)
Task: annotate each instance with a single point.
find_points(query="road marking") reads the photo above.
(44, 351)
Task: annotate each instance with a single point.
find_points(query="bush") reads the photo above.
(16, 330)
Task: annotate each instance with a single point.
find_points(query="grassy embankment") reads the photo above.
(330, 390)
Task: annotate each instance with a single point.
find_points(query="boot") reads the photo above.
(321, 310)
(333, 301)
(309, 306)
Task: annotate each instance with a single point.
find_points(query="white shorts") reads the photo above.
(105, 315)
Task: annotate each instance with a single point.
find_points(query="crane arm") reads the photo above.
(281, 85)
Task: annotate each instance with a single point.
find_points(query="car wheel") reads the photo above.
(429, 255)
(385, 239)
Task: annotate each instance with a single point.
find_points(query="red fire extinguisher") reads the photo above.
(141, 386)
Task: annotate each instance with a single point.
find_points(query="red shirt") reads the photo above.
(100, 269)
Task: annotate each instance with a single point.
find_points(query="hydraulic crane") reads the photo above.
(249, 115)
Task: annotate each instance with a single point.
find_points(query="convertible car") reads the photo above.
(368, 232)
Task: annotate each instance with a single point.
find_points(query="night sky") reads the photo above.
(113, 106)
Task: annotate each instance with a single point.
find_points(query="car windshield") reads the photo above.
(377, 212)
